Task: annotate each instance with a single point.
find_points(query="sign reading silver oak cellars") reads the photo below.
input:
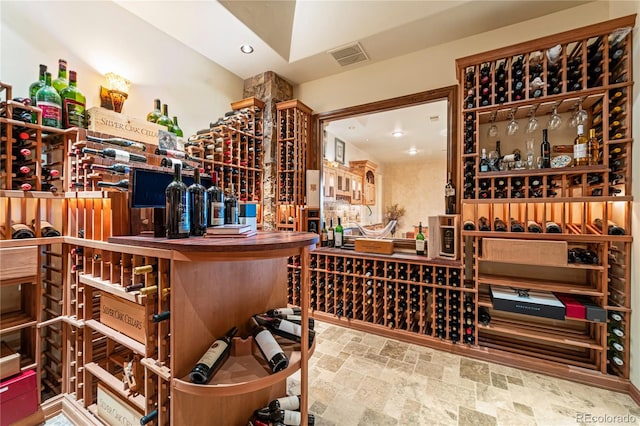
(112, 123)
(123, 316)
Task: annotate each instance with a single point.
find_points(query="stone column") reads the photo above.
(271, 89)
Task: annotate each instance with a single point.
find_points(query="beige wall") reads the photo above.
(99, 37)
(435, 67)
(418, 187)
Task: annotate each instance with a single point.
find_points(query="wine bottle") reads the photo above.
(612, 228)
(499, 225)
(46, 229)
(593, 149)
(283, 328)
(146, 291)
(450, 197)
(164, 119)
(20, 231)
(212, 359)
(289, 417)
(468, 225)
(484, 163)
(149, 417)
(169, 162)
(122, 184)
(172, 153)
(134, 287)
(231, 209)
(323, 235)
(61, 82)
(277, 312)
(156, 113)
(176, 129)
(330, 239)
(339, 234)
(34, 87)
(48, 100)
(198, 202)
(144, 269)
(580, 157)
(516, 225)
(291, 402)
(138, 146)
(533, 226)
(73, 103)
(483, 224)
(216, 202)
(121, 169)
(553, 228)
(269, 347)
(545, 149)
(162, 316)
(177, 207)
(420, 241)
(116, 154)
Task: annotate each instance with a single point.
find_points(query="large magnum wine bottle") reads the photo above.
(198, 199)
(176, 129)
(46, 229)
(156, 113)
(35, 86)
(120, 142)
(73, 103)
(48, 100)
(164, 119)
(213, 358)
(177, 207)
(270, 349)
(61, 82)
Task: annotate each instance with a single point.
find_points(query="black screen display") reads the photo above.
(149, 186)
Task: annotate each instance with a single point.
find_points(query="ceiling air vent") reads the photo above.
(348, 55)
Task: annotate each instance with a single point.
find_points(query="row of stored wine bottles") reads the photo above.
(583, 64)
(532, 226)
(281, 411)
(293, 137)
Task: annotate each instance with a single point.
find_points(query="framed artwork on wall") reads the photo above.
(339, 151)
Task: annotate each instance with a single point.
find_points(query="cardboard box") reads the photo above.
(573, 307)
(371, 245)
(126, 317)
(114, 411)
(113, 123)
(9, 361)
(19, 397)
(535, 303)
(530, 252)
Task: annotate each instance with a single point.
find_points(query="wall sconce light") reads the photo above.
(115, 93)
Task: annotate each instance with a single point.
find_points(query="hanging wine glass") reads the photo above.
(532, 125)
(573, 121)
(581, 115)
(493, 129)
(555, 120)
(512, 126)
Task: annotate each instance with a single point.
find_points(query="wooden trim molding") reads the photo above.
(634, 393)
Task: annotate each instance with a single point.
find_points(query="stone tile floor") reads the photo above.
(357, 378)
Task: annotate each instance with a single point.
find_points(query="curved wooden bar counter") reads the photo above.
(218, 283)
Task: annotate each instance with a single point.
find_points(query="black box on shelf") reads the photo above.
(594, 312)
(527, 302)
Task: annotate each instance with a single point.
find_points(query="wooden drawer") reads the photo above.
(9, 361)
(18, 264)
(526, 252)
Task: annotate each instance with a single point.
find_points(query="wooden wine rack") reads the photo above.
(294, 133)
(593, 71)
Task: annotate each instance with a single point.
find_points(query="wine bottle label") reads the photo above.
(217, 214)
(213, 353)
(51, 112)
(291, 317)
(292, 417)
(289, 403)
(182, 209)
(284, 311)
(338, 237)
(419, 245)
(330, 234)
(73, 113)
(121, 155)
(580, 151)
(268, 344)
(291, 328)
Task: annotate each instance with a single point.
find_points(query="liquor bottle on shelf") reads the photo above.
(177, 207)
(122, 184)
(116, 154)
(34, 87)
(484, 162)
(231, 208)
(164, 119)
(420, 242)
(73, 104)
(119, 142)
(216, 202)
(269, 347)
(198, 204)
(48, 100)
(339, 234)
(176, 128)
(545, 150)
(213, 358)
(580, 157)
(154, 115)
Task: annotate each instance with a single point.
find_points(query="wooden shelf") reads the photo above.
(568, 265)
(116, 336)
(14, 321)
(115, 385)
(538, 284)
(585, 238)
(548, 200)
(109, 287)
(161, 370)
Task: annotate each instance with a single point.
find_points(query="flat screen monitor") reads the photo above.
(149, 186)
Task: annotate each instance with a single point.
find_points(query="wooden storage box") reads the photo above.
(126, 317)
(110, 122)
(18, 264)
(535, 303)
(114, 411)
(442, 236)
(371, 245)
(529, 252)
(9, 361)
(19, 398)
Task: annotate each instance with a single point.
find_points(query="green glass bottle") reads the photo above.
(420, 241)
(176, 129)
(33, 89)
(156, 113)
(339, 234)
(61, 82)
(48, 100)
(73, 104)
(164, 119)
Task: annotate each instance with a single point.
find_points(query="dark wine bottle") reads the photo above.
(149, 417)
(516, 225)
(545, 150)
(46, 229)
(162, 316)
(216, 202)
(289, 417)
(499, 225)
(121, 169)
(468, 225)
(283, 328)
(269, 347)
(612, 228)
(122, 184)
(278, 312)
(553, 228)
(177, 207)
(116, 154)
(213, 358)
(169, 162)
(533, 226)
(172, 153)
(20, 231)
(198, 199)
(119, 141)
(483, 224)
(231, 208)
(134, 287)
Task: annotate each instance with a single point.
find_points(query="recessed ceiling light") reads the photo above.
(397, 133)
(246, 48)
(412, 151)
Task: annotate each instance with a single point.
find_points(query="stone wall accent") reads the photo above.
(270, 88)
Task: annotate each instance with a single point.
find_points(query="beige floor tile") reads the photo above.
(372, 417)
(510, 418)
(469, 417)
(354, 348)
(429, 369)
(475, 371)
(394, 349)
(372, 393)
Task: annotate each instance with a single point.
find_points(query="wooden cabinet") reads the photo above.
(356, 188)
(330, 179)
(367, 170)
(586, 74)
